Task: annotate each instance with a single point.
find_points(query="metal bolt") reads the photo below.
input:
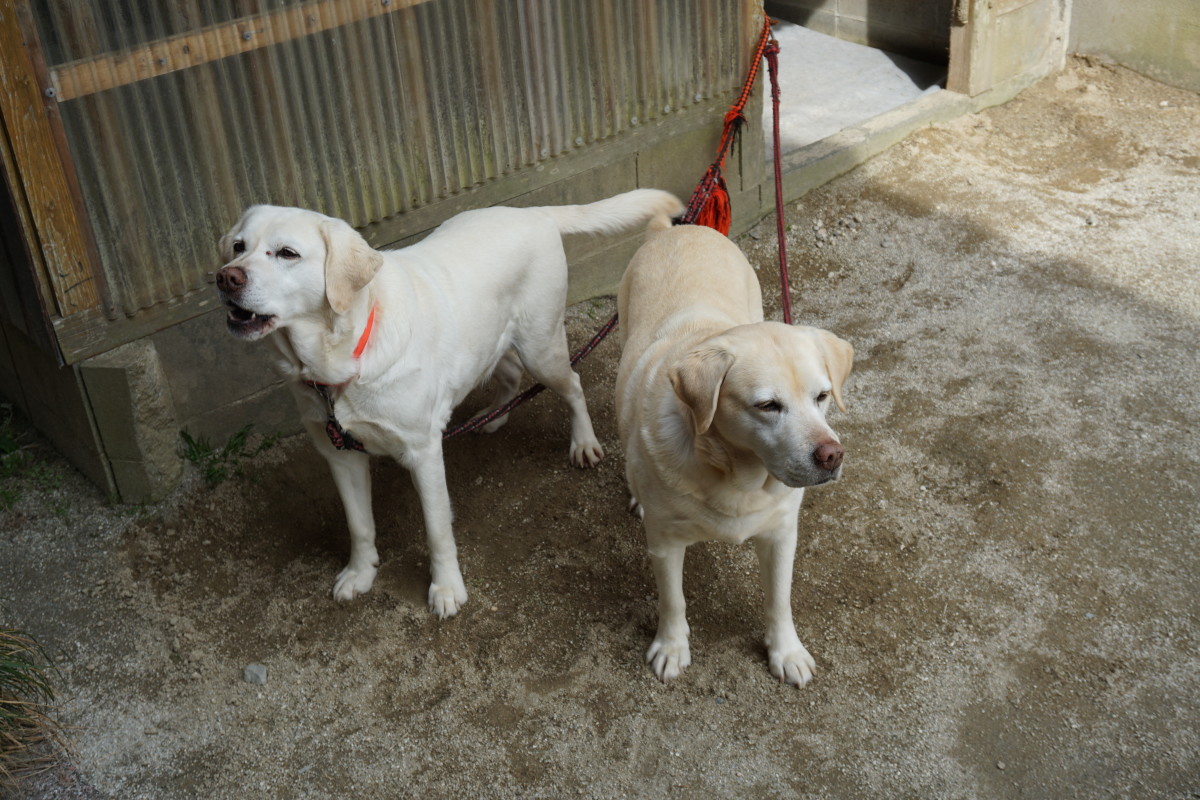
(633, 121)
(667, 108)
(578, 141)
(51, 92)
(246, 35)
(697, 97)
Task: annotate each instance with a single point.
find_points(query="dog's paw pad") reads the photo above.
(794, 667)
(353, 581)
(445, 601)
(668, 658)
(586, 454)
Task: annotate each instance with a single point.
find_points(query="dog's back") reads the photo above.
(683, 277)
(688, 268)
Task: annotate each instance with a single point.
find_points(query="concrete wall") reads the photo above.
(1158, 38)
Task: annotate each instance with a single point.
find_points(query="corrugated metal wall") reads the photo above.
(180, 113)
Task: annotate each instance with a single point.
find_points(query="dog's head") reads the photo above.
(284, 264)
(763, 389)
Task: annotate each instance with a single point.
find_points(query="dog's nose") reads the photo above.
(230, 279)
(828, 456)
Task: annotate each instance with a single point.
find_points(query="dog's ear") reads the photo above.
(350, 263)
(839, 357)
(697, 382)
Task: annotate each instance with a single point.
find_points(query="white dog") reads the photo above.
(722, 417)
(382, 345)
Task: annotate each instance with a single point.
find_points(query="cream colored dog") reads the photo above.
(722, 417)
(383, 345)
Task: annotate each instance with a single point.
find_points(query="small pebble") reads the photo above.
(1000, 765)
(720, 700)
(255, 673)
(151, 731)
(885, 242)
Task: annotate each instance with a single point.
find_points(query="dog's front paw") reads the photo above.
(588, 453)
(445, 599)
(353, 581)
(667, 657)
(795, 666)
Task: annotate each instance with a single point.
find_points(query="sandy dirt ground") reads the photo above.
(1000, 594)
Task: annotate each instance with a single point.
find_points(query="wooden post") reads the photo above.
(43, 183)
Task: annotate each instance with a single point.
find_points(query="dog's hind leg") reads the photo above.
(447, 592)
(507, 380)
(549, 362)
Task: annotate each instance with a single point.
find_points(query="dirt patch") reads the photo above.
(1000, 594)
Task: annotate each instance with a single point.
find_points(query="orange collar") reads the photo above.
(366, 334)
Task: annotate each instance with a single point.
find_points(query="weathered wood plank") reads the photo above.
(110, 70)
(43, 178)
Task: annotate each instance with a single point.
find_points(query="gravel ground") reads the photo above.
(1001, 593)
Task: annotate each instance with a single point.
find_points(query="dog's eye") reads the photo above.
(822, 397)
(288, 253)
(769, 405)
(239, 247)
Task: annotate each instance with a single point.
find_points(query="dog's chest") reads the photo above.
(736, 519)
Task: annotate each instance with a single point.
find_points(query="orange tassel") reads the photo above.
(717, 212)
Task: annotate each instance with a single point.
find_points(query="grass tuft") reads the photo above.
(31, 740)
(218, 464)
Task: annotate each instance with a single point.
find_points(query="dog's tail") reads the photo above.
(618, 213)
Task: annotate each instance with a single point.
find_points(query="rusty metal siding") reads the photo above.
(348, 108)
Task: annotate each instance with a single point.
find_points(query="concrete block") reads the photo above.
(599, 273)
(135, 418)
(214, 378)
(677, 165)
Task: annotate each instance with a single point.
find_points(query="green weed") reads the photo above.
(218, 464)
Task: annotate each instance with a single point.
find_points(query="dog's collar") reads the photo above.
(366, 334)
(341, 438)
(358, 351)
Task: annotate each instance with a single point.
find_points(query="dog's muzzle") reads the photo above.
(242, 321)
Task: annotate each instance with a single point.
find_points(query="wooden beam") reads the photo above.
(110, 70)
(42, 178)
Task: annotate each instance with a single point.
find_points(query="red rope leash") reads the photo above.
(785, 289)
(708, 205)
